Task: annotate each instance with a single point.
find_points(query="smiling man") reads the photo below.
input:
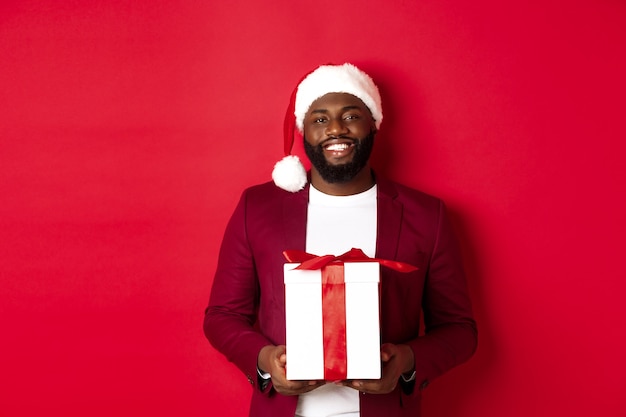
(339, 138)
(340, 204)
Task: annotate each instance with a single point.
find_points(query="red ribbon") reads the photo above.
(312, 262)
(334, 302)
(334, 323)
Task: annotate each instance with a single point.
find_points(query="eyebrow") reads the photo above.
(343, 109)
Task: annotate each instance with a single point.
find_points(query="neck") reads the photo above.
(363, 181)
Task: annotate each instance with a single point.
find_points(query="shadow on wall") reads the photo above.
(450, 395)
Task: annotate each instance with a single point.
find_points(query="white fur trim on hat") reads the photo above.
(344, 78)
(289, 174)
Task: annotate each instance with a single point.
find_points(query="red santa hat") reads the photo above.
(288, 173)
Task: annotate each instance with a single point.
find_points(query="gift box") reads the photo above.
(332, 321)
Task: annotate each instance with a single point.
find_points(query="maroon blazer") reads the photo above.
(247, 305)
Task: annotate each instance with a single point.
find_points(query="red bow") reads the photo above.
(311, 262)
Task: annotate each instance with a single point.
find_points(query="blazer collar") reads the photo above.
(389, 212)
(294, 214)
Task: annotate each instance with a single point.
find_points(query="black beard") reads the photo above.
(337, 174)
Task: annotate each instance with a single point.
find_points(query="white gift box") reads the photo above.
(304, 322)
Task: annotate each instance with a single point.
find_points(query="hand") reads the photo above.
(273, 359)
(396, 359)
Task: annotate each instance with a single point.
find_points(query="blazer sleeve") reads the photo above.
(450, 330)
(229, 322)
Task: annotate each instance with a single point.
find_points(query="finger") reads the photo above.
(300, 387)
(375, 386)
(358, 385)
(387, 351)
(280, 350)
(388, 347)
(308, 388)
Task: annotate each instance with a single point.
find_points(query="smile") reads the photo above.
(337, 147)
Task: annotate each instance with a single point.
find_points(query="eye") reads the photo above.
(351, 117)
(319, 120)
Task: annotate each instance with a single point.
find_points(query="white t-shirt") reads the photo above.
(335, 225)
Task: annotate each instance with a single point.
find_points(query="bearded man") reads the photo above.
(340, 204)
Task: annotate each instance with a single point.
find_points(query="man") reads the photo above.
(340, 204)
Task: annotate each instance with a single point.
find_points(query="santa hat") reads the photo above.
(289, 174)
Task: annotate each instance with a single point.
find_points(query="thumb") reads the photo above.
(387, 351)
(281, 355)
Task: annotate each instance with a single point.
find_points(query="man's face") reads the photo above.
(338, 136)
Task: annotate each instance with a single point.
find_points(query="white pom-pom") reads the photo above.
(289, 174)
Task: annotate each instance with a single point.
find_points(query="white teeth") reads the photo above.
(337, 147)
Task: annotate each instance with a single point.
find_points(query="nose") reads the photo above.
(336, 127)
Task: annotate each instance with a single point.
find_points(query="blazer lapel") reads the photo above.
(389, 213)
(294, 214)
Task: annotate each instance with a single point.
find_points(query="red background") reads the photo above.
(128, 130)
